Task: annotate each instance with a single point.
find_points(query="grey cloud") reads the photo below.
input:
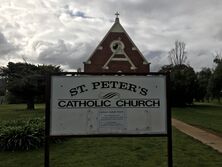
(154, 53)
(153, 25)
(158, 58)
(62, 53)
(219, 34)
(78, 14)
(75, 13)
(136, 10)
(5, 46)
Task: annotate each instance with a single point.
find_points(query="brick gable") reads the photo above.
(127, 59)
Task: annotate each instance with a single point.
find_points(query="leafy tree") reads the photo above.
(182, 83)
(43, 71)
(203, 78)
(27, 81)
(182, 77)
(2, 87)
(215, 83)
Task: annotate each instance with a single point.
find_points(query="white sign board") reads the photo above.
(90, 105)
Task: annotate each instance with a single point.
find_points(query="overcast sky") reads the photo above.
(65, 32)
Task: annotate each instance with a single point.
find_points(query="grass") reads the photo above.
(204, 115)
(18, 111)
(118, 152)
(109, 152)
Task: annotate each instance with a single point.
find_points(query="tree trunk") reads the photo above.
(30, 104)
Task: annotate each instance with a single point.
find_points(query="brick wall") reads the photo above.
(100, 57)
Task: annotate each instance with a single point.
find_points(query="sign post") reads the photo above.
(108, 105)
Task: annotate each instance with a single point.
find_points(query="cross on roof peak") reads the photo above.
(117, 17)
(117, 14)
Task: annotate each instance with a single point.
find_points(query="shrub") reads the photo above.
(22, 135)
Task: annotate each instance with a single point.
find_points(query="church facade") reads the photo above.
(116, 53)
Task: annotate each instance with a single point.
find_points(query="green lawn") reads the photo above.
(109, 152)
(118, 152)
(18, 111)
(207, 116)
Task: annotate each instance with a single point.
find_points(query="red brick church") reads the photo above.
(116, 53)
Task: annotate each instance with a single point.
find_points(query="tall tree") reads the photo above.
(178, 54)
(27, 81)
(203, 78)
(2, 87)
(215, 83)
(182, 76)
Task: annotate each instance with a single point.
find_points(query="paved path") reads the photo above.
(205, 137)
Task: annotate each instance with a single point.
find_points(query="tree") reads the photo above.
(203, 78)
(215, 83)
(182, 76)
(218, 57)
(27, 81)
(178, 55)
(182, 84)
(2, 87)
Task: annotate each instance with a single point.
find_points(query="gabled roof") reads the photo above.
(117, 27)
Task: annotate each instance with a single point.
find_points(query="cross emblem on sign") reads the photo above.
(117, 14)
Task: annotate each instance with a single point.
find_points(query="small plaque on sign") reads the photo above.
(112, 120)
